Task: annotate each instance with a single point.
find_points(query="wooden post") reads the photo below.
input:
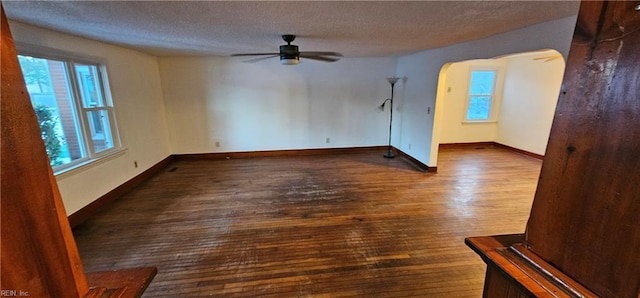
(583, 234)
(586, 212)
(39, 255)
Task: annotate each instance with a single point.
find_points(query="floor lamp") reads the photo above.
(392, 81)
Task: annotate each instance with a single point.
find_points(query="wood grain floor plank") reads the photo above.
(346, 225)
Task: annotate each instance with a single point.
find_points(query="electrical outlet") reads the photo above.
(328, 140)
(217, 144)
(135, 163)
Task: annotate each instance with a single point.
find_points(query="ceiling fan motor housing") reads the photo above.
(289, 54)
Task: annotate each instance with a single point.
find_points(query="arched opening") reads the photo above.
(519, 111)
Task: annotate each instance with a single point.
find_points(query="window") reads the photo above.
(481, 95)
(75, 113)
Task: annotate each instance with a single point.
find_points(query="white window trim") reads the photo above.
(70, 60)
(496, 98)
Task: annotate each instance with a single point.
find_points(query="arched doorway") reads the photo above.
(526, 87)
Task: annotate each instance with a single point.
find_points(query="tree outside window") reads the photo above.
(75, 116)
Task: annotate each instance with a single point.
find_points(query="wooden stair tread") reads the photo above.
(120, 283)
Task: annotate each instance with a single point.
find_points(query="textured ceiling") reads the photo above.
(356, 29)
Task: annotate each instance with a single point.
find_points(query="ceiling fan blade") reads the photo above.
(548, 57)
(254, 54)
(290, 55)
(308, 54)
(259, 59)
(321, 58)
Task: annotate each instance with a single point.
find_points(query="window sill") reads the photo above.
(89, 163)
(480, 122)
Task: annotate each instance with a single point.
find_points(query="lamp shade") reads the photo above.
(393, 80)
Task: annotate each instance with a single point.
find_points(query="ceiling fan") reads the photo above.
(290, 55)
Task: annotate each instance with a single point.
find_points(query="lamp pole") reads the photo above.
(392, 81)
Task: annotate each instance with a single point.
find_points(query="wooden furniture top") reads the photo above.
(120, 283)
(512, 255)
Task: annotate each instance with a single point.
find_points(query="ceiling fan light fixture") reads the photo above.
(289, 60)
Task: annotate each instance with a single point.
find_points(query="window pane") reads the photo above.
(479, 108)
(100, 130)
(89, 84)
(48, 87)
(482, 82)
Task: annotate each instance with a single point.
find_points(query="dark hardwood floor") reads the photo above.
(314, 226)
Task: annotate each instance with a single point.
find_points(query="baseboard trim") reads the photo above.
(302, 152)
(520, 151)
(83, 214)
(272, 153)
(491, 144)
(466, 145)
(418, 164)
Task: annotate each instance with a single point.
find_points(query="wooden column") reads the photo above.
(586, 213)
(39, 254)
(583, 234)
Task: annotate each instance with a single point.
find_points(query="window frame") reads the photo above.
(494, 103)
(70, 61)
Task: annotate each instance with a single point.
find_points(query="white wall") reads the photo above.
(453, 128)
(137, 95)
(422, 70)
(531, 90)
(268, 106)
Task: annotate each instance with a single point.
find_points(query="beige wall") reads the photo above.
(530, 94)
(526, 95)
(221, 104)
(134, 79)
